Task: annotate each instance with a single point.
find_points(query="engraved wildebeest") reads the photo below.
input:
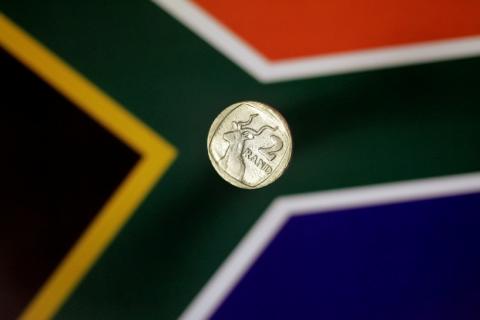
(232, 161)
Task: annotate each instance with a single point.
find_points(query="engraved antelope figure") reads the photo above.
(233, 161)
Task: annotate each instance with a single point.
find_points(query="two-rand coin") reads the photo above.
(249, 144)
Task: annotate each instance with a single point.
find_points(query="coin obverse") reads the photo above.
(249, 144)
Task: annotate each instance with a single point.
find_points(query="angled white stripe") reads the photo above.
(222, 39)
(265, 229)
(373, 59)
(252, 61)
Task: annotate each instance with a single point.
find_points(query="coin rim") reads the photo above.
(284, 163)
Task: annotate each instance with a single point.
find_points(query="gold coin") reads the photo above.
(249, 144)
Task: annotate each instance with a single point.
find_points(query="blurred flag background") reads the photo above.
(111, 209)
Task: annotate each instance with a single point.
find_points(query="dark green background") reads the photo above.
(356, 129)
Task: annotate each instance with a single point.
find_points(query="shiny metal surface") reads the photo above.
(249, 144)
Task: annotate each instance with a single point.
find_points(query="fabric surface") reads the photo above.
(351, 129)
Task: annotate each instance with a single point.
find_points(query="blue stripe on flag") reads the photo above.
(412, 260)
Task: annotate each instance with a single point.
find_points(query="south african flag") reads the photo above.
(111, 209)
